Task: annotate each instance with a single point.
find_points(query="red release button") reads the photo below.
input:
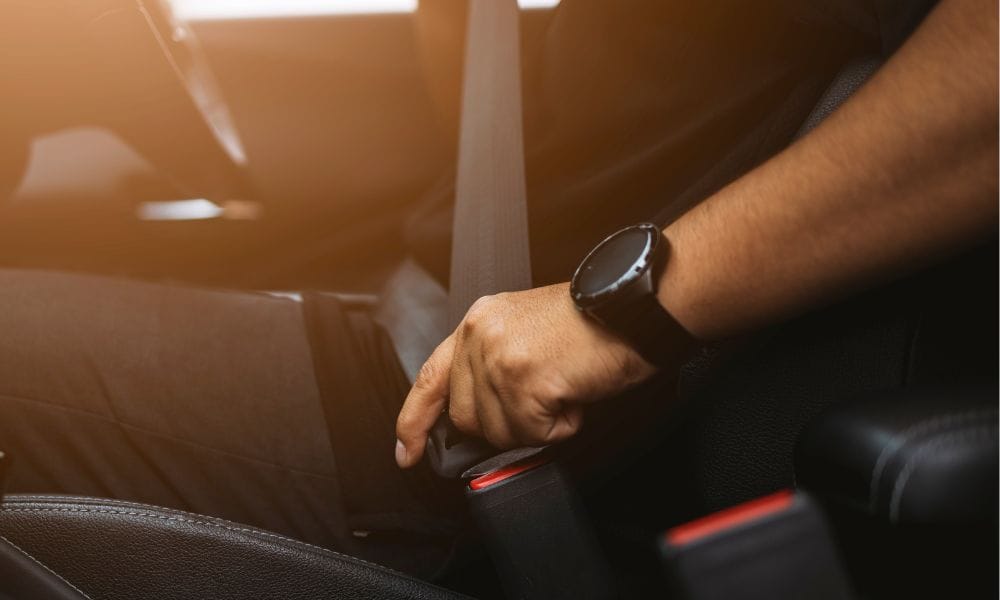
(485, 481)
(730, 517)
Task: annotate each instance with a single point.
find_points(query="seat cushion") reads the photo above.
(112, 549)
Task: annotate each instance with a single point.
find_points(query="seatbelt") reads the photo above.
(490, 247)
(531, 516)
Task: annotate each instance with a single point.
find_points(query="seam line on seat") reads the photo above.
(920, 428)
(55, 405)
(943, 439)
(244, 530)
(12, 499)
(44, 566)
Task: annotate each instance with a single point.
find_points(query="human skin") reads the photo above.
(902, 175)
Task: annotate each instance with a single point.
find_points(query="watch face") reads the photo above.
(617, 261)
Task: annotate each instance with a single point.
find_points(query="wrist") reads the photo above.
(616, 286)
(680, 290)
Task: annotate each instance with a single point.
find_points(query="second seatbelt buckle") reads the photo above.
(777, 547)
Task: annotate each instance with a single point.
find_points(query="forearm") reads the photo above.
(904, 173)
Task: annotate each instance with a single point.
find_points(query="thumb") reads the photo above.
(424, 404)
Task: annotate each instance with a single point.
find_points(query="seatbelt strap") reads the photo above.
(490, 246)
(490, 253)
(490, 249)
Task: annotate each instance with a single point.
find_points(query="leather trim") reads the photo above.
(117, 549)
(60, 581)
(203, 522)
(946, 424)
(986, 435)
(909, 456)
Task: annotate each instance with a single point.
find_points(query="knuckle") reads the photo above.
(481, 303)
(570, 423)
(470, 324)
(480, 320)
(481, 306)
(478, 315)
(493, 331)
(512, 364)
(426, 376)
(551, 390)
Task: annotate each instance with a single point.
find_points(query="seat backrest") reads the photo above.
(848, 80)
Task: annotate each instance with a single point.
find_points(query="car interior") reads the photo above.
(849, 453)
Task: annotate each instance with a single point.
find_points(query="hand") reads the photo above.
(517, 370)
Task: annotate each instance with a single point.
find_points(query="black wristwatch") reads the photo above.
(616, 285)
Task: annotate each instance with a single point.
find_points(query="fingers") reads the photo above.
(494, 422)
(488, 395)
(424, 404)
(514, 371)
(473, 406)
(495, 426)
(462, 399)
(565, 424)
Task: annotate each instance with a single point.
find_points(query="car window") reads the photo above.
(242, 9)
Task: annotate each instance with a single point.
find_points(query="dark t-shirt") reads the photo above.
(639, 109)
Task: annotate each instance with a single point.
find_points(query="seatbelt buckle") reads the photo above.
(538, 533)
(776, 547)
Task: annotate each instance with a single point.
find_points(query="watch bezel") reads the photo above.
(635, 281)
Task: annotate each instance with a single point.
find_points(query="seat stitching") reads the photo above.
(898, 440)
(245, 530)
(199, 445)
(68, 498)
(44, 566)
(942, 439)
(71, 499)
(14, 499)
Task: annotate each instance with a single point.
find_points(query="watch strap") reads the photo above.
(646, 326)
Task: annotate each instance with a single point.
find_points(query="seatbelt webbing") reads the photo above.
(490, 246)
(490, 251)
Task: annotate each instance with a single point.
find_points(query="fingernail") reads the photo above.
(400, 454)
